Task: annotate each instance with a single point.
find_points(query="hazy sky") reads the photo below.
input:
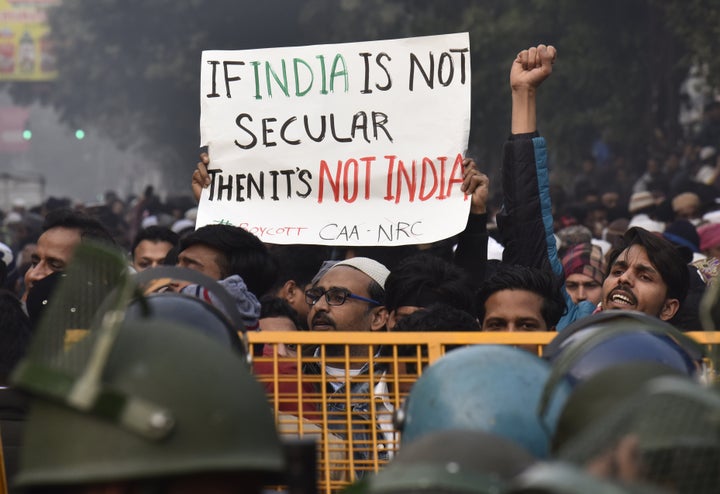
(79, 169)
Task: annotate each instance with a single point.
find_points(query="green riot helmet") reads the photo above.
(450, 461)
(593, 399)
(136, 400)
(189, 311)
(491, 388)
(665, 434)
(563, 478)
(214, 311)
(211, 416)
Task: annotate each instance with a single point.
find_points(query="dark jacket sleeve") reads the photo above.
(471, 251)
(525, 221)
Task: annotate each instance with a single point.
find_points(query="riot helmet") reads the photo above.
(564, 478)
(491, 388)
(594, 398)
(452, 462)
(610, 338)
(212, 416)
(666, 434)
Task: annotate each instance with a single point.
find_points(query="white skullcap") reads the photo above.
(370, 267)
(182, 224)
(706, 174)
(707, 152)
(149, 221)
(191, 214)
(647, 224)
(604, 245)
(712, 216)
(6, 254)
(13, 217)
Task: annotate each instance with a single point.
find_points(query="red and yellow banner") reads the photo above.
(25, 45)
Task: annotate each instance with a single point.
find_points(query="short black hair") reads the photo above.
(271, 306)
(243, 254)
(299, 263)
(89, 227)
(516, 277)
(436, 317)
(663, 255)
(154, 234)
(422, 280)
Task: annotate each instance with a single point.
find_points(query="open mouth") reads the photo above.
(621, 298)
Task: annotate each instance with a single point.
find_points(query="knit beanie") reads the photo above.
(585, 259)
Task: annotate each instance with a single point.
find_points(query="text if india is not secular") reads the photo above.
(416, 178)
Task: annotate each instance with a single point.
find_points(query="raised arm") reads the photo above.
(471, 251)
(525, 221)
(529, 69)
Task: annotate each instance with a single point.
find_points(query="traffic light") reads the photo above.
(79, 134)
(26, 134)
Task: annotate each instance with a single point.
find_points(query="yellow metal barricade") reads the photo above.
(342, 388)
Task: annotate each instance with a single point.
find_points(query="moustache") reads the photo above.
(322, 319)
(624, 290)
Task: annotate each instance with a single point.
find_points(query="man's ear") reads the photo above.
(392, 320)
(379, 319)
(289, 291)
(669, 309)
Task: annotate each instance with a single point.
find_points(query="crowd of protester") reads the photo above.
(617, 262)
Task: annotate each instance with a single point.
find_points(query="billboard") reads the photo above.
(25, 44)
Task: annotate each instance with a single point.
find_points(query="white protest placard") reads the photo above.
(339, 144)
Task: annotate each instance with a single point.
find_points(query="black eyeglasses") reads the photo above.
(334, 296)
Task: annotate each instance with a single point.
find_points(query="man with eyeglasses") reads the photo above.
(350, 296)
